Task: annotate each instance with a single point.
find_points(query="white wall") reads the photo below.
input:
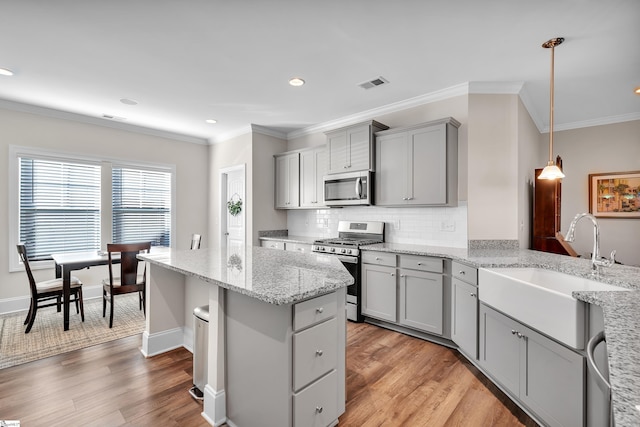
(32, 130)
(265, 217)
(493, 167)
(598, 149)
(532, 154)
(236, 151)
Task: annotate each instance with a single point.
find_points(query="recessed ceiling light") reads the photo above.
(6, 72)
(211, 121)
(129, 101)
(637, 90)
(296, 81)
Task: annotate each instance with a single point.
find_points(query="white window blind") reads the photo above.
(141, 206)
(59, 207)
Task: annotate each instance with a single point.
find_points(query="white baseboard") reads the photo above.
(161, 342)
(13, 305)
(187, 341)
(214, 408)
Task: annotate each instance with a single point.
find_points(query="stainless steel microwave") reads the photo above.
(348, 189)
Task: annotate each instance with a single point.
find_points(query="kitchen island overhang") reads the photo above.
(264, 305)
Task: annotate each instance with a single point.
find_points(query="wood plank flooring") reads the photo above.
(392, 380)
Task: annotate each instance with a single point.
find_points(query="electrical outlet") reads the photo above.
(396, 224)
(448, 225)
(325, 222)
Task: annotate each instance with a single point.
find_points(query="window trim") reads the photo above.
(106, 164)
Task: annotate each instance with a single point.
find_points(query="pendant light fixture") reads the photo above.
(551, 171)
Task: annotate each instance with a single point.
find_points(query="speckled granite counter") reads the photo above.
(291, 239)
(276, 277)
(621, 309)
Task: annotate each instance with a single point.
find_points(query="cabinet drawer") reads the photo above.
(422, 263)
(273, 244)
(464, 272)
(317, 405)
(315, 310)
(379, 258)
(297, 247)
(314, 353)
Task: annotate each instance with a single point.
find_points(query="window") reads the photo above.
(62, 202)
(141, 206)
(59, 207)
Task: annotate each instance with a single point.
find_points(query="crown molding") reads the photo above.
(496, 88)
(595, 122)
(81, 118)
(453, 91)
(268, 131)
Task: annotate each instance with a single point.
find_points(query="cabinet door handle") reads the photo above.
(419, 263)
(393, 274)
(461, 272)
(409, 198)
(319, 409)
(405, 198)
(319, 309)
(513, 332)
(402, 275)
(473, 295)
(520, 335)
(377, 258)
(319, 353)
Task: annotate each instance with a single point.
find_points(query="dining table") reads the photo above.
(66, 262)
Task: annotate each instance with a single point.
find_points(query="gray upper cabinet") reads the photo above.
(313, 166)
(418, 165)
(287, 180)
(351, 148)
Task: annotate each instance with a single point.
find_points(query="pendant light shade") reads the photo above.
(551, 171)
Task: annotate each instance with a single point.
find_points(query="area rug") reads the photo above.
(47, 337)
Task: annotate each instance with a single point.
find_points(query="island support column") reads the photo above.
(165, 311)
(215, 405)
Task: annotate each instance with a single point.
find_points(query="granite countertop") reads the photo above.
(291, 239)
(621, 309)
(273, 276)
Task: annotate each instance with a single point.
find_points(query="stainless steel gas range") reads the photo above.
(351, 236)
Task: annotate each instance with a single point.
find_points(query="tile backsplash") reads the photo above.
(424, 226)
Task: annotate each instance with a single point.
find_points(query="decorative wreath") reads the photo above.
(234, 206)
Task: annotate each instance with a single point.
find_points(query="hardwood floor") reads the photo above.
(397, 380)
(392, 380)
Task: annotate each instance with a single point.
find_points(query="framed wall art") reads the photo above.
(615, 194)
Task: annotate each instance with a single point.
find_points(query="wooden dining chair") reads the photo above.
(195, 241)
(42, 293)
(129, 280)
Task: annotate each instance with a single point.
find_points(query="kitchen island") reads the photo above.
(277, 331)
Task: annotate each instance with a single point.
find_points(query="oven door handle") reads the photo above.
(349, 259)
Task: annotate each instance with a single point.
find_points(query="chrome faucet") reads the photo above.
(596, 262)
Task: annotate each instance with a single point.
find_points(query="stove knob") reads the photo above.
(343, 251)
(349, 251)
(332, 249)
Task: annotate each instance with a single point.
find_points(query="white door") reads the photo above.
(234, 206)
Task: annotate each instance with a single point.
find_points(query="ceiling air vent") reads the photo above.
(378, 81)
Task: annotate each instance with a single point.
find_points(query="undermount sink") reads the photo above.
(540, 299)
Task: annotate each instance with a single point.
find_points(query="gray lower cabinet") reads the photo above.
(421, 301)
(464, 308)
(272, 244)
(543, 375)
(464, 317)
(285, 364)
(407, 290)
(379, 292)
